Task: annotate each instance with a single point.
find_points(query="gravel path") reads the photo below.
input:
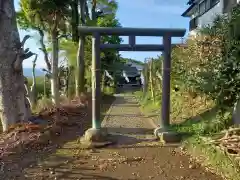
(125, 120)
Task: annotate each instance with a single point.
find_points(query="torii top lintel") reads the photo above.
(126, 31)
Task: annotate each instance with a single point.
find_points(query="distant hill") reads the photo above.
(135, 61)
(130, 61)
(28, 72)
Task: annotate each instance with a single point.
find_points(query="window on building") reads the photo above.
(194, 12)
(214, 2)
(208, 4)
(193, 24)
(205, 5)
(202, 7)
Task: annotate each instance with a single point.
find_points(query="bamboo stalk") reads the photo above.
(160, 80)
(151, 80)
(44, 88)
(103, 81)
(145, 73)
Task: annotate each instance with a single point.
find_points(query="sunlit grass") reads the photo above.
(195, 118)
(213, 158)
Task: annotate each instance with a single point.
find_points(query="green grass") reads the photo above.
(209, 123)
(196, 118)
(192, 116)
(109, 90)
(147, 105)
(213, 158)
(40, 86)
(210, 156)
(183, 107)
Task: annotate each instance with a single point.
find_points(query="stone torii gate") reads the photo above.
(96, 133)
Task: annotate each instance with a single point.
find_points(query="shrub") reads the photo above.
(40, 86)
(210, 65)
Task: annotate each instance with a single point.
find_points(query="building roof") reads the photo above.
(186, 13)
(118, 68)
(190, 2)
(130, 71)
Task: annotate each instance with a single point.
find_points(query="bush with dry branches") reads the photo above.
(210, 64)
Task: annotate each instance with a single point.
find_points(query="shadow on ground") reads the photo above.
(126, 89)
(126, 115)
(14, 166)
(64, 167)
(134, 131)
(130, 136)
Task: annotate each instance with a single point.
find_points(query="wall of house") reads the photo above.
(208, 17)
(195, 11)
(192, 33)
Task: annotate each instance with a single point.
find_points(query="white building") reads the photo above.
(203, 12)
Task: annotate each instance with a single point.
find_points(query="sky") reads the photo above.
(133, 13)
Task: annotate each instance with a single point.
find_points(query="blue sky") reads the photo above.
(136, 13)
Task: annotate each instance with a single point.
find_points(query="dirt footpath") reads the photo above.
(136, 155)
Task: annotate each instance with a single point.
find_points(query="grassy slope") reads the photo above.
(196, 118)
(213, 158)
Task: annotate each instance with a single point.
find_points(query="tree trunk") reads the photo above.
(158, 74)
(54, 63)
(80, 70)
(27, 102)
(93, 10)
(44, 50)
(23, 104)
(33, 90)
(66, 90)
(11, 82)
(75, 20)
(45, 86)
(236, 113)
